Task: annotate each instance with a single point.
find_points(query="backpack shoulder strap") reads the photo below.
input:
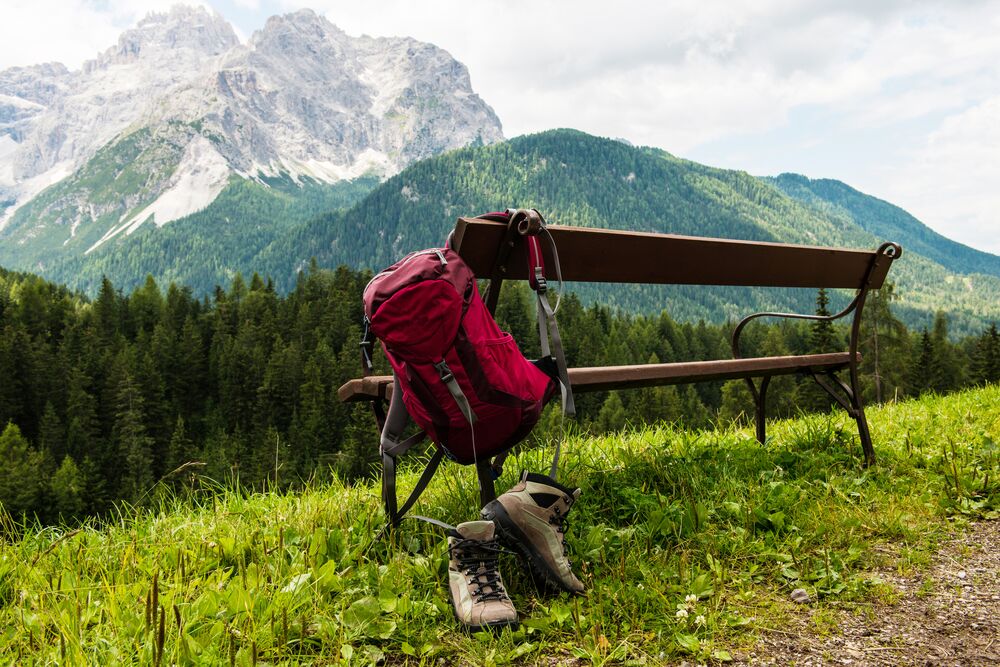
(392, 447)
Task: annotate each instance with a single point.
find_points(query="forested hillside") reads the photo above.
(101, 399)
(885, 220)
(574, 179)
(202, 250)
(578, 179)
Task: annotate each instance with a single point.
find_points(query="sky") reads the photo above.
(900, 99)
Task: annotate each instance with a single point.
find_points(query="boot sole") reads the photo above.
(515, 537)
(496, 626)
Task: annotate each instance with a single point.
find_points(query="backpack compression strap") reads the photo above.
(392, 446)
(547, 324)
(531, 226)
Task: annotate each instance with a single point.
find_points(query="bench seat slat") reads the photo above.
(643, 375)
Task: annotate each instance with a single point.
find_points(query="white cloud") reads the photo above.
(952, 181)
(863, 91)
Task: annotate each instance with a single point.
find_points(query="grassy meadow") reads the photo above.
(689, 542)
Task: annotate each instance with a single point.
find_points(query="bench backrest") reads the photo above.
(604, 255)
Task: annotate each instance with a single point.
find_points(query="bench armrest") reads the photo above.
(796, 316)
(892, 251)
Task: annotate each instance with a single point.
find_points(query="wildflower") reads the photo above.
(682, 614)
(700, 619)
(691, 598)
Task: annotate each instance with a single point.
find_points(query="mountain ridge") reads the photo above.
(180, 94)
(882, 217)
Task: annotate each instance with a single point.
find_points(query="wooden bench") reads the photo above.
(601, 255)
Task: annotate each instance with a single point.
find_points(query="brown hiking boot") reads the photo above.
(477, 592)
(531, 518)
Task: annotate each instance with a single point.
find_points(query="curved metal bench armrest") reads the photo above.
(795, 316)
(890, 250)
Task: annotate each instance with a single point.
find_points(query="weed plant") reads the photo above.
(689, 543)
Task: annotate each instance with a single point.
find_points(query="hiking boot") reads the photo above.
(477, 593)
(531, 518)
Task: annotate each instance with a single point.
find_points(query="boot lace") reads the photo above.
(561, 523)
(478, 561)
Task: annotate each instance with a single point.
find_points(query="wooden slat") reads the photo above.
(604, 255)
(644, 375)
(651, 375)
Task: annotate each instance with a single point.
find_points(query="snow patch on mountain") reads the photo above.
(30, 187)
(201, 175)
(369, 161)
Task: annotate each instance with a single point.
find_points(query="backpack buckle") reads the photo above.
(366, 345)
(540, 285)
(444, 372)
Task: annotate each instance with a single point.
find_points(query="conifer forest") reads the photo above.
(127, 396)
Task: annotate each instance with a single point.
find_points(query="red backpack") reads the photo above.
(461, 379)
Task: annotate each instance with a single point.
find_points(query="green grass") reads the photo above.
(709, 524)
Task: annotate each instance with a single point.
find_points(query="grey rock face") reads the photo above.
(301, 97)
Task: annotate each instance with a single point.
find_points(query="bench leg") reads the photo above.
(854, 405)
(760, 398)
(859, 417)
(866, 438)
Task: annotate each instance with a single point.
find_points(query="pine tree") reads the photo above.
(145, 306)
(51, 434)
(655, 404)
(925, 370)
(822, 337)
(612, 416)
(986, 358)
(782, 391)
(20, 482)
(180, 450)
(884, 346)
(951, 371)
(132, 443)
(513, 315)
(82, 430)
(107, 310)
(68, 489)
(737, 403)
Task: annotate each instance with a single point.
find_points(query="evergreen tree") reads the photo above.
(51, 434)
(823, 337)
(181, 449)
(612, 416)
(925, 370)
(951, 368)
(82, 431)
(737, 403)
(21, 485)
(986, 359)
(655, 404)
(68, 490)
(782, 391)
(513, 315)
(107, 311)
(132, 442)
(884, 347)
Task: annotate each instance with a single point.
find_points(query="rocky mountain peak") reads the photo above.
(194, 29)
(179, 95)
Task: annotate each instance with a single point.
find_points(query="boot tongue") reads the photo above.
(482, 531)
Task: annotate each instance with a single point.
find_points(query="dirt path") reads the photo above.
(947, 614)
